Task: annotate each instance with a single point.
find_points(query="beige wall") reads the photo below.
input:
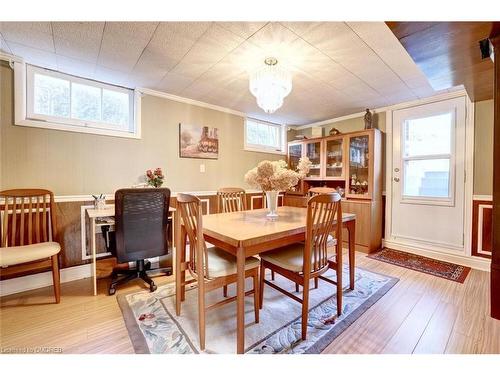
(483, 148)
(75, 163)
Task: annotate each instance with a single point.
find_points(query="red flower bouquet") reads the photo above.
(155, 178)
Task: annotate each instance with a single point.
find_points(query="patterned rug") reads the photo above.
(154, 328)
(449, 271)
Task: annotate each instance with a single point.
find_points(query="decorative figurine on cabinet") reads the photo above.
(334, 131)
(368, 120)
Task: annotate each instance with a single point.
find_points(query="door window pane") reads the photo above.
(115, 107)
(428, 135)
(51, 96)
(427, 178)
(85, 102)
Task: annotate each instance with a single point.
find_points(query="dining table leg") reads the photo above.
(240, 300)
(351, 230)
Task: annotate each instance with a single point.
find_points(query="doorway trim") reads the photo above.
(432, 250)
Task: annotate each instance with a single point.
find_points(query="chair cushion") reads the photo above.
(291, 257)
(221, 263)
(22, 254)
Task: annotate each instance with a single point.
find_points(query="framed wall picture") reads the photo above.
(200, 142)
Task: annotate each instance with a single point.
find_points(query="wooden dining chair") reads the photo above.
(231, 199)
(308, 260)
(212, 267)
(320, 190)
(29, 232)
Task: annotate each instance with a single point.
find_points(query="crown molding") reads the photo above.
(10, 58)
(197, 103)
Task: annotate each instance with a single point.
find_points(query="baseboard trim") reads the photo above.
(43, 279)
(478, 263)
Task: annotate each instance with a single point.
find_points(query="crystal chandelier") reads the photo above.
(270, 85)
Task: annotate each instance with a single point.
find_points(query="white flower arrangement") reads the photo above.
(276, 176)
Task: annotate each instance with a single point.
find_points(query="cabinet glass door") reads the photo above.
(359, 162)
(294, 155)
(334, 158)
(313, 152)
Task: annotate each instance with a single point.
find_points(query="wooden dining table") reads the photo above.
(248, 233)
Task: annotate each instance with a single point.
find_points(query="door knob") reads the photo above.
(396, 179)
(396, 169)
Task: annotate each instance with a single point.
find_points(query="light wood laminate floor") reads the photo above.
(421, 314)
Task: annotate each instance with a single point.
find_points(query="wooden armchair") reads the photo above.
(28, 232)
(302, 262)
(211, 267)
(231, 199)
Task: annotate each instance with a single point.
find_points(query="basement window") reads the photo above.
(264, 136)
(53, 100)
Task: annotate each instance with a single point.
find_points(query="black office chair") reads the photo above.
(141, 232)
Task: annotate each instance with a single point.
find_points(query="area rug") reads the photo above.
(449, 271)
(154, 328)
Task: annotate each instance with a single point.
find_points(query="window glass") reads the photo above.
(427, 178)
(428, 135)
(61, 101)
(51, 96)
(85, 102)
(115, 107)
(263, 134)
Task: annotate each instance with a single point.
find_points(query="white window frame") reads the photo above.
(262, 148)
(442, 201)
(24, 116)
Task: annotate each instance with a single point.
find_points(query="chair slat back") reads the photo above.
(322, 211)
(231, 199)
(189, 210)
(28, 217)
(320, 190)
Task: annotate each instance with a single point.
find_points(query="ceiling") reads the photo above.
(338, 68)
(448, 53)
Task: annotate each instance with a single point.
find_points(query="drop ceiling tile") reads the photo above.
(423, 92)
(76, 67)
(335, 39)
(385, 44)
(120, 53)
(4, 46)
(34, 56)
(275, 40)
(150, 64)
(246, 57)
(79, 40)
(301, 28)
(140, 31)
(215, 43)
(243, 29)
(123, 44)
(31, 34)
(172, 40)
(199, 90)
(112, 76)
(174, 83)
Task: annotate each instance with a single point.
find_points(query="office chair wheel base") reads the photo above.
(153, 287)
(111, 291)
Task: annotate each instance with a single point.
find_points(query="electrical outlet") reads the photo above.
(202, 168)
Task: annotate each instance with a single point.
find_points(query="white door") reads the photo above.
(428, 176)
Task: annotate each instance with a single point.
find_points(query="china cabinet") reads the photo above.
(352, 164)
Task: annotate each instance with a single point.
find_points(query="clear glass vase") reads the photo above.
(272, 204)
